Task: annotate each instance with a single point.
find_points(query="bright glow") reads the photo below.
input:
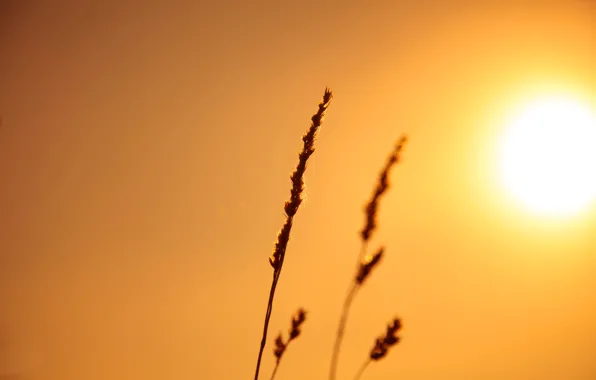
(548, 157)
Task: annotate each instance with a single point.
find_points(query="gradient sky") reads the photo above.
(145, 149)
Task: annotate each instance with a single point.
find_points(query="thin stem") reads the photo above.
(276, 275)
(274, 370)
(344, 318)
(278, 361)
(362, 369)
(361, 255)
(341, 329)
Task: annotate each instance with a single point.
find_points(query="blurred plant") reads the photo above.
(365, 263)
(382, 345)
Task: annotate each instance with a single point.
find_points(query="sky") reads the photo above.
(145, 154)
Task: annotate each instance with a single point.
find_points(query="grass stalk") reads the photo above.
(364, 264)
(291, 207)
(361, 370)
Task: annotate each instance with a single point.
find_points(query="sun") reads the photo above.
(548, 156)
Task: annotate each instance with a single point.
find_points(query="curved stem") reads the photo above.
(344, 317)
(362, 369)
(361, 255)
(268, 315)
(341, 329)
(274, 371)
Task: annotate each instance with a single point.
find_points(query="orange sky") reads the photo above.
(145, 151)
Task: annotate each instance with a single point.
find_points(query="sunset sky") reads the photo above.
(145, 154)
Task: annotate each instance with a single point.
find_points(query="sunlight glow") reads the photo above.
(548, 156)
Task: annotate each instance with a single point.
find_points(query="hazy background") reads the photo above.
(145, 150)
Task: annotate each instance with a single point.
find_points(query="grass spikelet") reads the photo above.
(291, 207)
(367, 265)
(382, 186)
(281, 345)
(382, 345)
